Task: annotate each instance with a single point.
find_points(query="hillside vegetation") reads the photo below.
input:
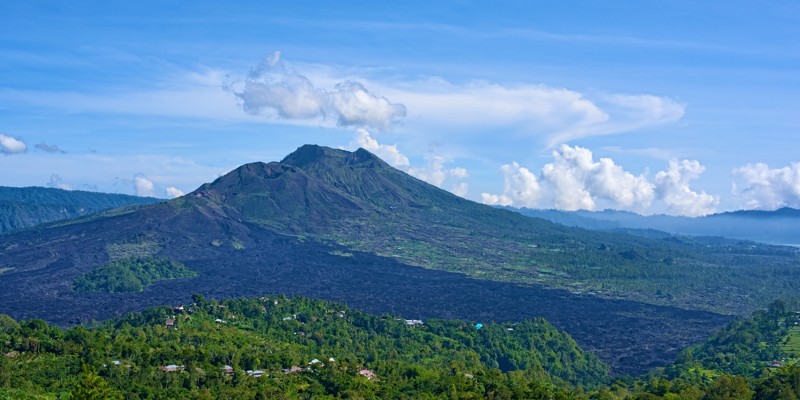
(270, 344)
(131, 275)
(276, 347)
(30, 206)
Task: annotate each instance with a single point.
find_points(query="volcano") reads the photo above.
(346, 226)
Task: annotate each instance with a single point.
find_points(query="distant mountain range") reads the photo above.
(345, 226)
(30, 206)
(781, 226)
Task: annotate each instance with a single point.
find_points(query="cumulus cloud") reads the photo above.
(49, 148)
(762, 187)
(11, 145)
(173, 192)
(460, 189)
(575, 181)
(521, 187)
(578, 180)
(272, 89)
(673, 188)
(496, 199)
(56, 182)
(143, 186)
(388, 153)
(358, 107)
(434, 172)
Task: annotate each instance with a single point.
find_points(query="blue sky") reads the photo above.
(677, 107)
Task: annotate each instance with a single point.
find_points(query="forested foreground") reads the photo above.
(277, 347)
(168, 352)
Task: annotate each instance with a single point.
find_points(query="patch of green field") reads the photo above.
(790, 344)
(708, 375)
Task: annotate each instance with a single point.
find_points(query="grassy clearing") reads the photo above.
(790, 344)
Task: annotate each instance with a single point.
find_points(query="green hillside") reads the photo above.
(281, 337)
(276, 347)
(30, 206)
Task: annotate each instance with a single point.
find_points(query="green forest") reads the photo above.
(131, 274)
(30, 206)
(279, 347)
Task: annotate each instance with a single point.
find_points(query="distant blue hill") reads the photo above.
(781, 226)
(29, 206)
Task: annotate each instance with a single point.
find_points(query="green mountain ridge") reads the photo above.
(31, 206)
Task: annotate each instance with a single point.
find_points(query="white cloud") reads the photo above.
(578, 180)
(520, 187)
(673, 189)
(49, 148)
(143, 186)
(649, 108)
(111, 174)
(272, 89)
(56, 182)
(312, 94)
(460, 189)
(358, 107)
(575, 181)
(173, 192)
(388, 153)
(496, 199)
(555, 114)
(11, 145)
(767, 188)
(459, 172)
(434, 172)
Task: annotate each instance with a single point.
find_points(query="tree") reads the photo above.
(729, 387)
(92, 387)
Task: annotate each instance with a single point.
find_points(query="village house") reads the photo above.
(292, 370)
(315, 362)
(171, 368)
(368, 374)
(255, 373)
(227, 370)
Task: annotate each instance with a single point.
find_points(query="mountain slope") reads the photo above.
(356, 200)
(25, 207)
(781, 226)
(345, 226)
